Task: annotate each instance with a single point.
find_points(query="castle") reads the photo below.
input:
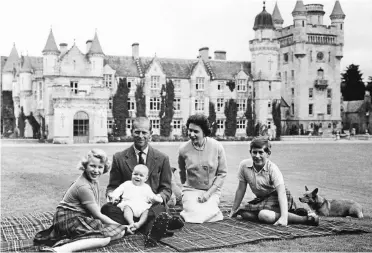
(70, 91)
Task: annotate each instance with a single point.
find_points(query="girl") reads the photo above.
(78, 223)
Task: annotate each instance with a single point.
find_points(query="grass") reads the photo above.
(35, 177)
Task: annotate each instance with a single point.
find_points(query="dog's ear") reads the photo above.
(315, 192)
(306, 189)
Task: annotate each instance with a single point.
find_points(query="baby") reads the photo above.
(135, 197)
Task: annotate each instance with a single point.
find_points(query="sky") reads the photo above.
(167, 28)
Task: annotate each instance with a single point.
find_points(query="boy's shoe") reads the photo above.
(313, 220)
(158, 229)
(175, 223)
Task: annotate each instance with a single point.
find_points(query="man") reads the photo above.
(159, 179)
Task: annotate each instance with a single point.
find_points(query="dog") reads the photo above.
(332, 207)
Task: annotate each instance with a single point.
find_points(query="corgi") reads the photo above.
(332, 207)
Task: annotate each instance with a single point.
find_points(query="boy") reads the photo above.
(266, 182)
(135, 197)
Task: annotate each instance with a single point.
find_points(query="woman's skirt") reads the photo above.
(195, 212)
(69, 226)
(269, 202)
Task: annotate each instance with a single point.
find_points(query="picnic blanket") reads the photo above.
(17, 234)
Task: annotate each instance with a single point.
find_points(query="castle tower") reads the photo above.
(25, 84)
(277, 17)
(50, 55)
(315, 14)
(96, 56)
(10, 69)
(299, 31)
(337, 20)
(265, 50)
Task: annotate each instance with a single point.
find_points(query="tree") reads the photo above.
(249, 116)
(212, 118)
(166, 108)
(231, 85)
(120, 108)
(35, 126)
(352, 87)
(7, 113)
(369, 85)
(231, 111)
(140, 100)
(277, 116)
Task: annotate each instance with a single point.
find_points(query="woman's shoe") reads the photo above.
(158, 229)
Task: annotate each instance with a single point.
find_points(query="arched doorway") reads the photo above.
(81, 127)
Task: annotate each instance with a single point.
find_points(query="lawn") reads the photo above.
(35, 177)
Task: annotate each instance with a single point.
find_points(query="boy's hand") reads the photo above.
(282, 221)
(156, 199)
(204, 197)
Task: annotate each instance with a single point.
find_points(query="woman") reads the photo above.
(78, 223)
(203, 168)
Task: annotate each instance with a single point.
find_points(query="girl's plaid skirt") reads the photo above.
(269, 202)
(69, 226)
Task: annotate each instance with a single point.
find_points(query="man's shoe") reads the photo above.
(175, 223)
(158, 229)
(313, 220)
(169, 233)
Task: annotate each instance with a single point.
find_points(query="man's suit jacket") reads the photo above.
(160, 174)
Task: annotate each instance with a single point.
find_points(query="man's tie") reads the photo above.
(140, 158)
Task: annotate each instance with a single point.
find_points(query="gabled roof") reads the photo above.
(277, 17)
(124, 65)
(36, 62)
(26, 65)
(337, 11)
(12, 60)
(50, 45)
(299, 8)
(227, 70)
(95, 48)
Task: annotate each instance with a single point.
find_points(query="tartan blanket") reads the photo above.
(17, 233)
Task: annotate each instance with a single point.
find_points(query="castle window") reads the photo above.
(292, 109)
(74, 87)
(40, 91)
(199, 83)
(155, 82)
(219, 104)
(110, 125)
(311, 55)
(240, 124)
(329, 109)
(269, 86)
(110, 103)
(177, 104)
(155, 104)
(303, 23)
(320, 73)
(311, 111)
(131, 104)
(242, 105)
(199, 104)
(329, 93)
(329, 56)
(311, 91)
(220, 86)
(285, 57)
(329, 125)
(107, 80)
(292, 74)
(341, 26)
(177, 124)
(177, 84)
(220, 124)
(242, 85)
(269, 104)
(293, 93)
(155, 123)
(130, 83)
(129, 123)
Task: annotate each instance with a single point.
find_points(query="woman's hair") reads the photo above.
(96, 153)
(261, 142)
(200, 120)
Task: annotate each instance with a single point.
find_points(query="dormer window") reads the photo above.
(155, 82)
(199, 83)
(107, 80)
(242, 86)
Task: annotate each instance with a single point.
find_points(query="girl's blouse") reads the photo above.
(200, 169)
(80, 193)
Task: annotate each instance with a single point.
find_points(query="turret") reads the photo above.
(315, 14)
(337, 21)
(277, 17)
(10, 69)
(25, 84)
(96, 56)
(50, 55)
(299, 31)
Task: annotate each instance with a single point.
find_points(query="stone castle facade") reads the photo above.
(71, 91)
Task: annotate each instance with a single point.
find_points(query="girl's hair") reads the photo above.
(261, 142)
(96, 153)
(200, 120)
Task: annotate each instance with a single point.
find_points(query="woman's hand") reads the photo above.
(204, 197)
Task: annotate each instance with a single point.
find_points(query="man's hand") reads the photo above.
(282, 221)
(233, 213)
(156, 199)
(204, 197)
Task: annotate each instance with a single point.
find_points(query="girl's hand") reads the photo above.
(204, 197)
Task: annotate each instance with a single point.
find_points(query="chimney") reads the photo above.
(63, 48)
(89, 44)
(220, 55)
(204, 53)
(135, 50)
